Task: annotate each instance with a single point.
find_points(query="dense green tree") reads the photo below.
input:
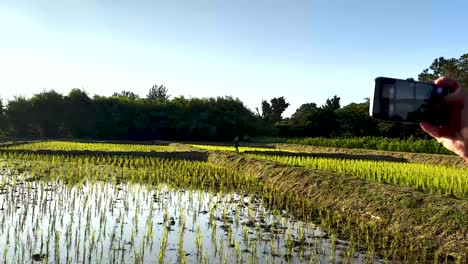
(332, 104)
(79, 114)
(273, 110)
(19, 117)
(312, 121)
(355, 121)
(158, 92)
(266, 110)
(278, 106)
(48, 111)
(456, 68)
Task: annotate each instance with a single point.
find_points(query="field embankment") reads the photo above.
(439, 223)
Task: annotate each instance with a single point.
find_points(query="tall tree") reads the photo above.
(19, 117)
(278, 106)
(79, 114)
(266, 110)
(48, 110)
(273, 110)
(158, 92)
(354, 120)
(455, 68)
(332, 104)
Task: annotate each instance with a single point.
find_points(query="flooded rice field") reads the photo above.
(104, 222)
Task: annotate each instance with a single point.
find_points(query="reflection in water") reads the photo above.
(131, 223)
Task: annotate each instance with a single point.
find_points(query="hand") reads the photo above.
(453, 136)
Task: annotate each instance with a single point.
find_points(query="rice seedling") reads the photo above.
(74, 228)
(125, 208)
(99, 147)
(424, 177)
(241, 149)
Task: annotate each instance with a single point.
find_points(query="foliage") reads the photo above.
(19, 117)
(126, 94)
(48, 113)
(272, 111)
(455, 68)
(158, 92)
(310, 120)
(52, 115)
(410, 144)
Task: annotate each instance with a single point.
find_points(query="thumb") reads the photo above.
(457, 96)
(430, 129)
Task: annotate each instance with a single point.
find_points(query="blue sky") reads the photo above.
(306, 51)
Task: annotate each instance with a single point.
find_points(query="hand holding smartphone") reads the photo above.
(440, 108)
(409, 101)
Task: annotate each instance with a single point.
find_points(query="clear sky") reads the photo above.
(306, 51)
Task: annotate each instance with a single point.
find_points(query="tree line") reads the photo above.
(125, 115)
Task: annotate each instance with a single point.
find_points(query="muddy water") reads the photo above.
(102, 222)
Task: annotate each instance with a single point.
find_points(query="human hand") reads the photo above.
(453, 136)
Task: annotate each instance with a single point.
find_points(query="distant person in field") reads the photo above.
(455, 135)
(236, 143)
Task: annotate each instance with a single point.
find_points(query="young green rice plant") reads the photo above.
(241, 149)
(98, 147)
(427, 178)
(84, 177)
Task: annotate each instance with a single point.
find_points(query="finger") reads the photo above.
(456, 96)
(447, 82)
(430, 129)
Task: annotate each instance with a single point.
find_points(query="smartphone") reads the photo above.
(409, 101)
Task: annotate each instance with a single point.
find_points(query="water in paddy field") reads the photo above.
(132, 223)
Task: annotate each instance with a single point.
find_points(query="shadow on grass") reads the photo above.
(330, 155)
(176, 155)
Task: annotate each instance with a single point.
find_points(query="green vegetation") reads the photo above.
(83, 146)
(232, 148)
(411, 144)
(424, 177)
(238, 208)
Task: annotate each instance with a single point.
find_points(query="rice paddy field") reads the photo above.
(77, 202)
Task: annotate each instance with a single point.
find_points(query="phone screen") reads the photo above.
(405, 97)
(409, 101)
